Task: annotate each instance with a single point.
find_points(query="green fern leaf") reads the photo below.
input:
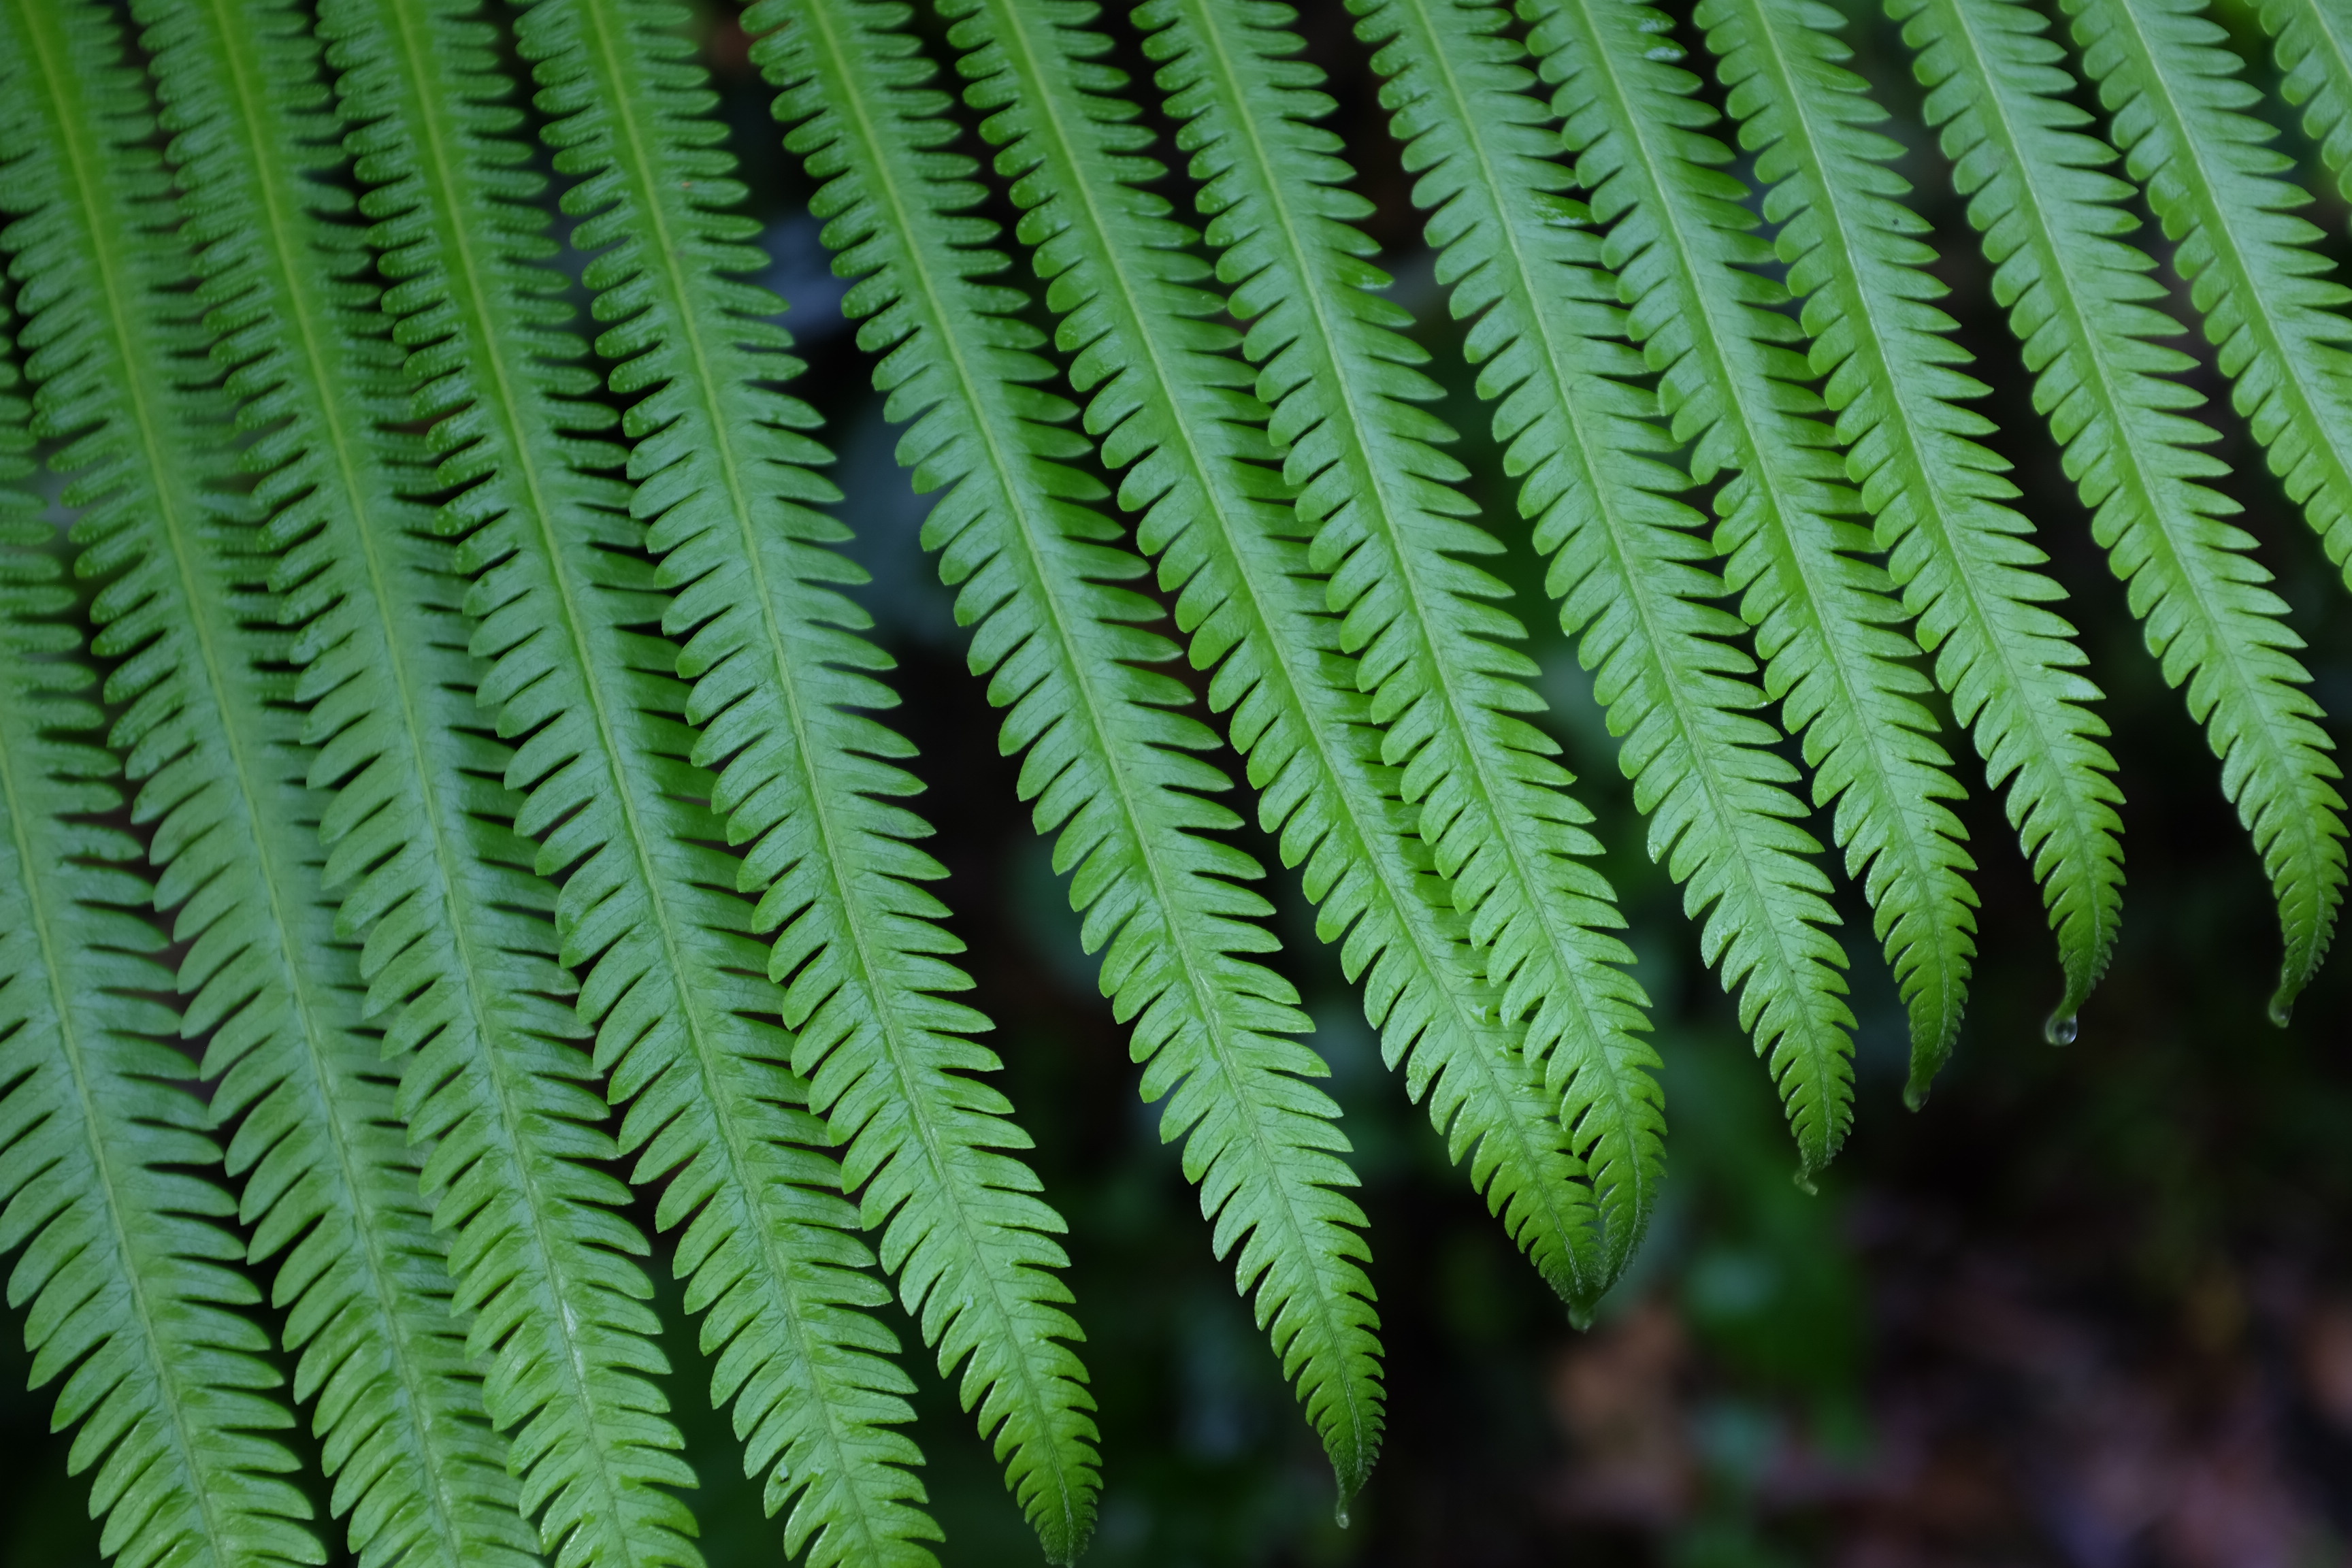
(1169, 402)
(1714, 331)
(328, 1173)
(1391, 532)
(1894, 373)
(2165, 74)
(779, 670)
(1110, 756)
(127, 1276)
(1527, 265)
(2050, 217)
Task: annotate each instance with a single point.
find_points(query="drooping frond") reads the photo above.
(1170, 402)
(2050, 217)
(1714, 330)
(326, 1167)
(1111, 757)
(1391, 532)
(2168, 76)
(1967, 569)
(1524, 262)
(126, 1276)
(807, 782)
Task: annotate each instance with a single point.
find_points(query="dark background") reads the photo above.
(2091, 1307)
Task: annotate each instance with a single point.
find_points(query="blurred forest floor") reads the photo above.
(2092, 1308)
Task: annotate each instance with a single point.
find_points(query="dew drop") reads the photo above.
(2060, 1030)
(1580, 1315)
(1340, 1513)
(1915, 1096)
(1805, 1184)
(2281, 1011)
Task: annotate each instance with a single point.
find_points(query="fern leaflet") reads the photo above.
(2168, 78)
(1546, 313)
(1169, 402)
(1390, 530)
(1111, 761)
(1967, 568)
(771, 647)
(2049, 217)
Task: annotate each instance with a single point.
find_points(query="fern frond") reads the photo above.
(1169, 401)
(2165, 74)
(804, 781)
(1391, 533)
(128, 1278)
(209, 739)
(1712, 328)
(1526, 263)
(1967, 569)
(2051, 218)
(1111, 762)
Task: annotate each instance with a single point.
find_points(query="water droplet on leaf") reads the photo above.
(1340, 1513)
(1805, 1184)
(1580, 1315)
(2281, 1011)
(2060, 1031)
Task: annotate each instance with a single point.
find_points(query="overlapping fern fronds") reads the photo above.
(1111, 759)
(2165, 74)
(1714, 330)
(503, 736)
(126, 1268)
(2078, 299)
(329, 1180)
(1547, 325)
(805, 782)
(1391, 533)
(1893, 374)
(1170, 406)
